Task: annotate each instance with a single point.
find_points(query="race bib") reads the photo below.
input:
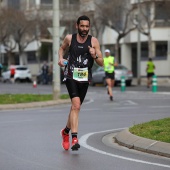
(80, 74)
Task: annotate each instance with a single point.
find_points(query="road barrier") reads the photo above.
(123, 84)
(154, 83)
(34, 84)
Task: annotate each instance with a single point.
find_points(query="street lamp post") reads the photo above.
(56, 35)
(0, 41)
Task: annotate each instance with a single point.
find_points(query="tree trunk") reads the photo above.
(117, 51)
(22, 59)
(11, 60)
(150, 55)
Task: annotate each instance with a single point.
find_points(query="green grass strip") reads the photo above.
(157, 130)
(26, 98)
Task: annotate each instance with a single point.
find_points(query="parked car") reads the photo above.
(120, 70)
(50, 77)
(22, 73)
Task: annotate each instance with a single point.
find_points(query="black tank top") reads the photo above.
(79, 56)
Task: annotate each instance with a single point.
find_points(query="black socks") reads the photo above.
(66, 130)
(74, 135)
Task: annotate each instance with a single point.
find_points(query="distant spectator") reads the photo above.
(1, 67)
(45, 71)
(12, 72)
(150, 71)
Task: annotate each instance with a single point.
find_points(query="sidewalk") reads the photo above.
(164, 81)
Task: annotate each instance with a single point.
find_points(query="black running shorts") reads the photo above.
(12, 76)
(110, 75)
(150, 75)
(77, 89)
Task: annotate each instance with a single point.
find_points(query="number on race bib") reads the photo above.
(80, 74)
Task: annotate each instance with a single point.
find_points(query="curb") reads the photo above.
(125, 138)
(34, 104)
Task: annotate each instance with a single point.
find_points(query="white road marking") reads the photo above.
(130, 102)
(83, 143)
(89, 101)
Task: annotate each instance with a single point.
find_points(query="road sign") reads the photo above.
(62, 29)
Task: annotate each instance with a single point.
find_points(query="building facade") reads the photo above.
(71, 9)
(160, 41)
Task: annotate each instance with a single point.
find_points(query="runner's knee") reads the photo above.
(76, 106)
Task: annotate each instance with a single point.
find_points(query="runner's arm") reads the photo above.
(98, 53)
(64, 45)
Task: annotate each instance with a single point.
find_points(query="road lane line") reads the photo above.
(130, 102)
(83, 142)
(89, 101)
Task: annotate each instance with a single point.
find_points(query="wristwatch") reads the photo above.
(96, 57)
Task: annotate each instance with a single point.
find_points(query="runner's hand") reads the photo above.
(92, 51)
(61, 62)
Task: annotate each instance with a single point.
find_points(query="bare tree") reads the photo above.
(150, 11)
(17, 31)
(5, 35)
(25, 31)
(116, 14)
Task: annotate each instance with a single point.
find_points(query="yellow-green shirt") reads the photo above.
(109, 64)
(151, 67)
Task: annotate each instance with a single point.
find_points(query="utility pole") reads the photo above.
(0, 42)
(56, 36)
(138, 47)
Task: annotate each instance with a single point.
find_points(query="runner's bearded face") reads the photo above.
(83, 28)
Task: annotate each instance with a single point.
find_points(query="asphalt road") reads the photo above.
(30, 140)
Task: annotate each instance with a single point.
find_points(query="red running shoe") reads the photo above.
(75, 144)
(65, 143)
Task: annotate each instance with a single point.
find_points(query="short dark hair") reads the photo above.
(83, 17)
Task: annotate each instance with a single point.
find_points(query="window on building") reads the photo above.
(144, 50)
(162, 14)
(69, 5)
(74, 1)
(161, 49)
(14, 4)
(46, 4)
(162, 10)
(31, 57)
(46, 1)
